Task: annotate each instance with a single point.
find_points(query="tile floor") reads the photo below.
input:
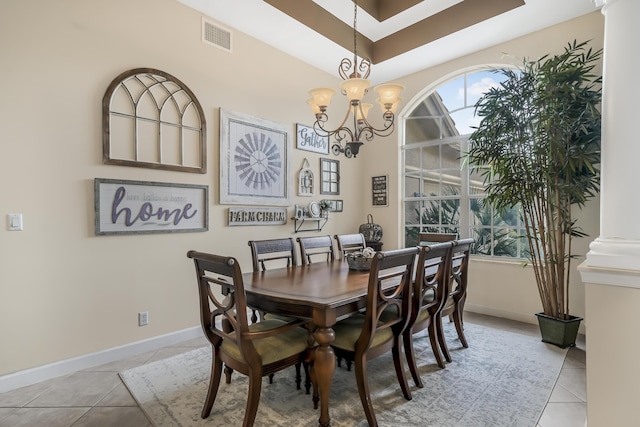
(97, 397)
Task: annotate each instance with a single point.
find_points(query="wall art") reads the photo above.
(305, 179)
(329, 176)
(334, 205)
(255, 165)
(151, 119)
(257, 216)
(307, 139)
(130, 207)
(380, 190)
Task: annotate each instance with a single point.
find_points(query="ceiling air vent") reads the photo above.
(215, 35)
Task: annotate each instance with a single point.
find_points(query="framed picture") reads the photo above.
(307, 139)
(380, 190)
(334, 205)
(329, 176)
(128, 207)
(255, 164)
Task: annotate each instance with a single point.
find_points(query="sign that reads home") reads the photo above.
(124, 207)
(257, 216)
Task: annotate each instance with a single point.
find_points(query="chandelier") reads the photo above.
(354, 86)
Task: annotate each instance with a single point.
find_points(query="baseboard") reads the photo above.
(504, 314)
(41, 373)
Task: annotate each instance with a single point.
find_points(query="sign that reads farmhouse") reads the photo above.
(257, 216)
(124, 207)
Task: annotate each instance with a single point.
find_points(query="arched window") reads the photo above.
(441, 193)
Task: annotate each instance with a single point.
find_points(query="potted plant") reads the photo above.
(325, 208)
(538, 149)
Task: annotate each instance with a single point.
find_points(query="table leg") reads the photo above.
(324, 365)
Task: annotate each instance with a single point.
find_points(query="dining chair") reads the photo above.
(436, 237)
(272, 250)
(350, 243)
(367, 335)
(317, 245)
(454, 304)
(255, 350)
(430, 290)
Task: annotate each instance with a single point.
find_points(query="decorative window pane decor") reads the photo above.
(330, 176)
(150, 119)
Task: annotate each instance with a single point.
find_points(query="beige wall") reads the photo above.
(65, 292)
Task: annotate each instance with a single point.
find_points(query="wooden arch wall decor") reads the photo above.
(150, 119)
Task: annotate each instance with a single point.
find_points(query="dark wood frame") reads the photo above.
(106, 124)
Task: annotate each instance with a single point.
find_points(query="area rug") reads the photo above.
(502, 379)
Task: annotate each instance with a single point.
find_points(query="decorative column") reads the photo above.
(611, 271)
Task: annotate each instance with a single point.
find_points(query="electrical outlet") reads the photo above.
(143, 318)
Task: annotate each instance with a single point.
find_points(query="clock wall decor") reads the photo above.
(254, 161)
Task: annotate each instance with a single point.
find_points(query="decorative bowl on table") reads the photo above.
(360, 260)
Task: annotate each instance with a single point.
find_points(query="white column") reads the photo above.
(618, 245)
(611, 271)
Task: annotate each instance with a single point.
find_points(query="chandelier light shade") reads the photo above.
(354, 86)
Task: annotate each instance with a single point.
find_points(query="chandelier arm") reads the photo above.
(322, 118)
(386, 130)
(344, 133)
(344, 69)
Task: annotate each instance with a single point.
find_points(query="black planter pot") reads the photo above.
(559, 332)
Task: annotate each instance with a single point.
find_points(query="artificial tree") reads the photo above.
(538, 148)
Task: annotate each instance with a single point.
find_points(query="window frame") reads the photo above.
(467, 225)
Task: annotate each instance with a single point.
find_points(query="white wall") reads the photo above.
(65, 292)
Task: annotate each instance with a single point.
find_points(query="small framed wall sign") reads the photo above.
(307, 139)
(129, 207)
(380, 190)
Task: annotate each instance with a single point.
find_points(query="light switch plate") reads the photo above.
(15, 222)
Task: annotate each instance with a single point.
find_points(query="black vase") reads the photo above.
(559, 332)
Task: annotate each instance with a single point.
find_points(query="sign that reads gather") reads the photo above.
(257, 216)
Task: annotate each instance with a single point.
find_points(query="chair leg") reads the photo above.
(411, 358)
(441, 340)
(397, 363)
(457, 320)
(307, 378)
(214, 383)
(298, 376)
(253, 400)
(271, 379)
(314, 381)
(363, 389)
(433, 339)
(227, 374)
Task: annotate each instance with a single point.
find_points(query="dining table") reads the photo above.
(324, 293)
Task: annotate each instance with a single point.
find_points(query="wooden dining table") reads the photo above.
(323, 293)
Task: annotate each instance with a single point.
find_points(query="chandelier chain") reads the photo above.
(355, 32)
